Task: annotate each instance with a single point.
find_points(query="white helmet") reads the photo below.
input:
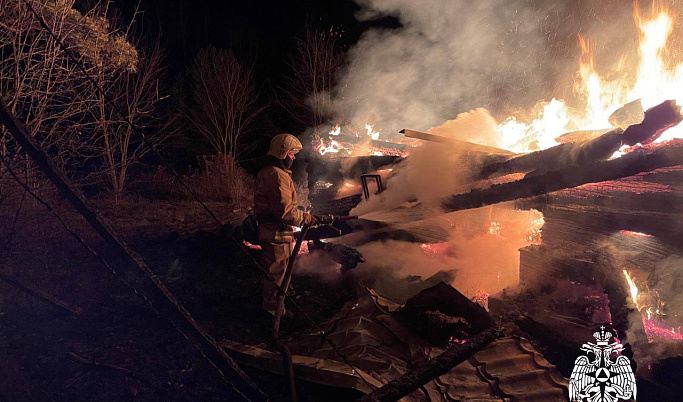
(283, 143)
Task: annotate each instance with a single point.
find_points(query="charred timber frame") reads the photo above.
(573, 176)
(151, 287)
(588, 167)
(655, 121)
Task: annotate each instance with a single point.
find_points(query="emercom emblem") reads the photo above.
(602, 380)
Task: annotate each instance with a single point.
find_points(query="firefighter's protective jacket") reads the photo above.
(275, 205)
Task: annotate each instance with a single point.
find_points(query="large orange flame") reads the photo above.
(656, 80)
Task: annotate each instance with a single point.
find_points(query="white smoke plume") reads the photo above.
(450, 56)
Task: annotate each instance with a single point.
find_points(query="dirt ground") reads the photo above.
(70, 330)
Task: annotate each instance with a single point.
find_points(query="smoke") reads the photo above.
(447, 57)
(668, 280)
(450, 56)
(481, 252)
(434, 170)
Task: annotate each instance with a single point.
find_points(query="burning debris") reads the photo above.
(391, 362)
(353, 142)
(590, 180)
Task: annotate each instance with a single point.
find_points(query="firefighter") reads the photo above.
(276, 209)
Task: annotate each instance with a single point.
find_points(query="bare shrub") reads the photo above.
(221, 178)
(40, 83)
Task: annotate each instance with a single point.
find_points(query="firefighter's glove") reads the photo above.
(310, 219)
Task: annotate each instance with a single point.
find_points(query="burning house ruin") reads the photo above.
(557, 226)
(482, 256)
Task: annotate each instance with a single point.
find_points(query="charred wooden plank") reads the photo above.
(630, 113)
(442, 364)
(465, 145)
(656, 120)
(628, 165)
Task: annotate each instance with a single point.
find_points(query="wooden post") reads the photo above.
(144, 279)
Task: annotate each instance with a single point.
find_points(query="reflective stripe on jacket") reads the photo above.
(275, 199)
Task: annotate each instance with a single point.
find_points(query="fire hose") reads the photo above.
(287, 364)
(329, 219)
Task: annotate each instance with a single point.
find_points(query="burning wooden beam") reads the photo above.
(655, 121)
(572, 176)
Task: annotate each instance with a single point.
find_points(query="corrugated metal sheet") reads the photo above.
(382, 349)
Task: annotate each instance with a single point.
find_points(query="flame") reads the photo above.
(372, 134)
(494, 228)
(655, 81)
(632, 288)
(652, 312)
(354, 142)
(334, 147)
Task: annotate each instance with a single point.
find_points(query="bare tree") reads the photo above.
(42, 85)
(138, 96)
(307, 94)
(223, 100)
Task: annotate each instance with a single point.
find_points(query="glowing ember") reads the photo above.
(322, 185)
(494, 228)
(654, 331)
(436, 248)
(481, 297)
(336, 130)
(251, 246)
(634, 234)
(456, 341)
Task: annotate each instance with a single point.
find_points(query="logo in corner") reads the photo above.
(602, 379)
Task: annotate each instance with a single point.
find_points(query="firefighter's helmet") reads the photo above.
(283, 143)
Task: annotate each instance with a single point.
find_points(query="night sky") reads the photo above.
(259, 32)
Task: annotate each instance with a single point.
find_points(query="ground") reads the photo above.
(70, 330)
